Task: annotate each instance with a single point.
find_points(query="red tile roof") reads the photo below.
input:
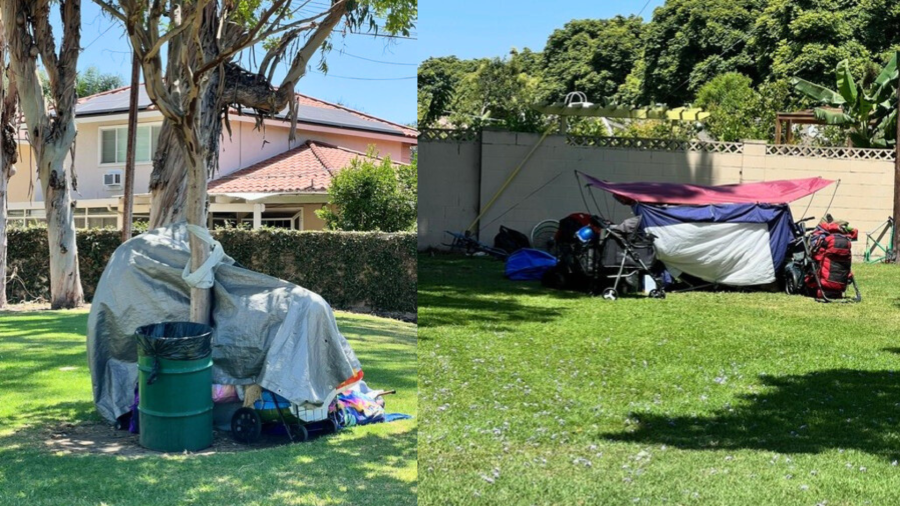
(306, 168)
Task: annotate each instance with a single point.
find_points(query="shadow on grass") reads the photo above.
(355, 470)
(14, 324)
(457, 290)
(810, 413)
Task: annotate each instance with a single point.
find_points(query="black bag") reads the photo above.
(510, 240)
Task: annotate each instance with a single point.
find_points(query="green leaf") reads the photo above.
(845, 83)
(859, 140)
(817, 92)
(888, 73)
(832, 117)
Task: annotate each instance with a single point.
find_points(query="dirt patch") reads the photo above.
(101, 439)
(27, 307)
(408, 317)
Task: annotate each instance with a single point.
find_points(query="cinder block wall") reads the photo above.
(546, 186)
(449, 175)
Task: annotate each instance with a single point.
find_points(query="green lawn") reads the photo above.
(532, 396)
(44, 380)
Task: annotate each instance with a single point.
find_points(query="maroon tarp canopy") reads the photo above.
(769, 192)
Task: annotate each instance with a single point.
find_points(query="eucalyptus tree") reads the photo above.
(203, 77)
(50, 122)
(8, 153)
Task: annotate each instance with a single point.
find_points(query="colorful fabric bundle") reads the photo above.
(353, 408)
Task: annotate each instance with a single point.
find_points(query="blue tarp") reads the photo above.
(529, 264)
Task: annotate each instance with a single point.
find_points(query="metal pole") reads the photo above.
(128, 202)
(896, 215)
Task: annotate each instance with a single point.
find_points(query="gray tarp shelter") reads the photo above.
(267, 331)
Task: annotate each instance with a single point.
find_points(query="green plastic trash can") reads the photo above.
(175, 386)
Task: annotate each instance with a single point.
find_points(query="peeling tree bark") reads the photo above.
(29, 37)
(8, 155)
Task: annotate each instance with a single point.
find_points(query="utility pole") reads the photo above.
(128, 202)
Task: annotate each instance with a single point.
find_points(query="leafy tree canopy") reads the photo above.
(591, 55)
(734, 57)
(689, 42)
(90, 82)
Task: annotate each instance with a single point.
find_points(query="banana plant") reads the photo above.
(869, 115)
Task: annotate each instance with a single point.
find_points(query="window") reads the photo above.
(95, 217)
(114, 141)
(25, 217)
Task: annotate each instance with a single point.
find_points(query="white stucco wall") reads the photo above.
(245, 147)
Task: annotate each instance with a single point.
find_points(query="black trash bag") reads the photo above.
(173, 341)
(510, 240)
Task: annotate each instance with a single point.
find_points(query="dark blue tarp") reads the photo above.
(529, 264)
(777, 217)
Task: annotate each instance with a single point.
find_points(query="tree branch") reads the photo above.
(249, 39)
(108, 7)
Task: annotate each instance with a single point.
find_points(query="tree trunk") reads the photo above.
(4, 181)
(51, 135)
(5, 166)
(65, 280)
(168, 181)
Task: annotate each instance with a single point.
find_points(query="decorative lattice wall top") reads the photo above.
(655, 144)
(448, 135)
(839, 153)
(642, 144)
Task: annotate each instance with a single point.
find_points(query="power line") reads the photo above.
(367, 78)
(644, 7)
(379, 61)
(98, 37)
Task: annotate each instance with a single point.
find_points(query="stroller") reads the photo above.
(820, 259)
(626, 253)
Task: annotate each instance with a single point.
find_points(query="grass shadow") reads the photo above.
(809, 413)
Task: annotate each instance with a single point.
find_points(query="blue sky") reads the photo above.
(487, 28)
(106, 48)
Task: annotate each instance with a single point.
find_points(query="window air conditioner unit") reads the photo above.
(112, 179)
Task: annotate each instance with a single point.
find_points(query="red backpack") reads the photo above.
(830, 247)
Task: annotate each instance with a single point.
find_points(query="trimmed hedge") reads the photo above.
(367, 271)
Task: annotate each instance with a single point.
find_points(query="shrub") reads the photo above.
(371, 195)
(364, 271)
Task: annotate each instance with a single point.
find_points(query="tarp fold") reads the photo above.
(266, 331)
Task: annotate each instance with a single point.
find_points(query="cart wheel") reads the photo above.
(301, 435)
(789, 285)
(246, 425)
(610, 294)
(331, 427)
(656, 293)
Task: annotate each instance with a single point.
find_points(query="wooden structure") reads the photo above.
(785, 121)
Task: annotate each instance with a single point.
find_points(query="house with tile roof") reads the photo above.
(263, 177)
